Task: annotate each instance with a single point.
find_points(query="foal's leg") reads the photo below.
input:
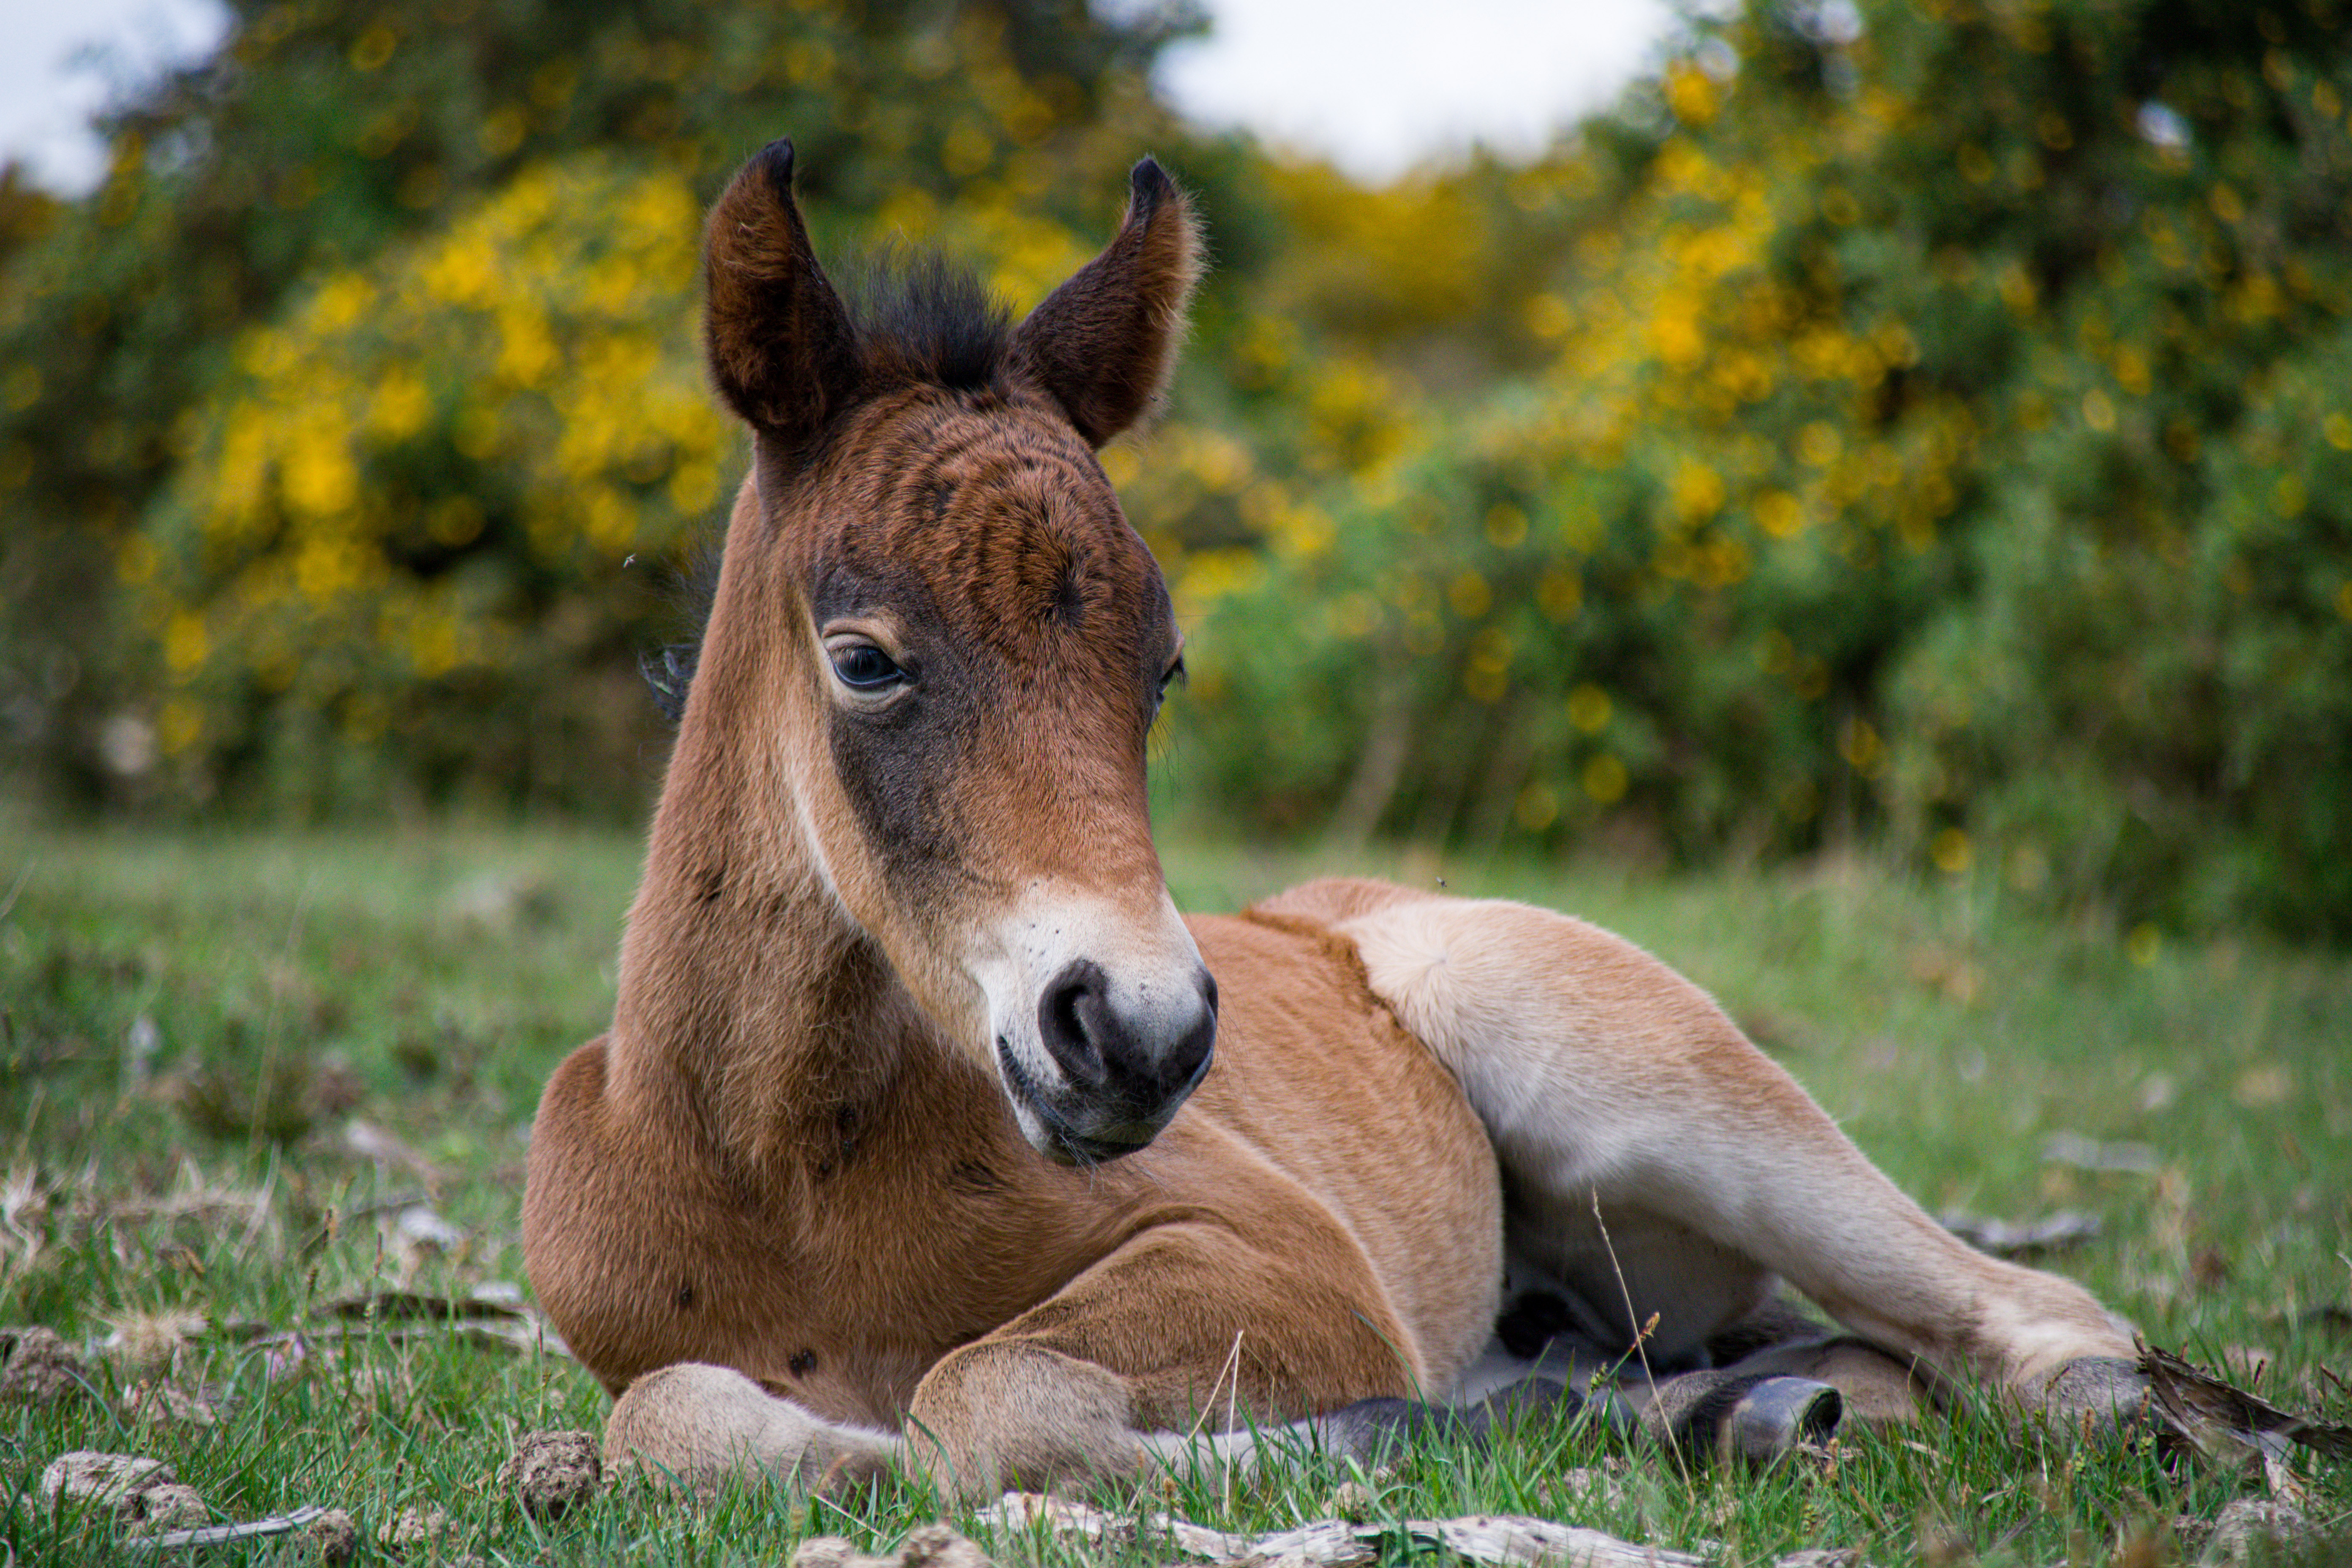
(1618, 1095)
(698, 1426)
(1147, 1358)
(1190, 1328)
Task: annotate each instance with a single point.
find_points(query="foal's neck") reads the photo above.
(751, 1006)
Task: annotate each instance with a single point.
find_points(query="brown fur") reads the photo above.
(899, 935)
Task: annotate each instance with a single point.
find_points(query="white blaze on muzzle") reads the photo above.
(1101, 1023)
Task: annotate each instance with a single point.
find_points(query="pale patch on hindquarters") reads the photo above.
(1566, 1135)
(1605, 1079)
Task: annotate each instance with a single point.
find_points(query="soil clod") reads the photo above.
(2252, 1529)
(932, 1546)
(427, 1528)
(334, 1537)
(84, 1476)
(150, 1510)
(37, 1367)
(552, 1472)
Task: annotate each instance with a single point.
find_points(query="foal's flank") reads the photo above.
(928, 1133)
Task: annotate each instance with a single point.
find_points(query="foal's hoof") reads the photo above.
(2097, 1396)
(1372, 1428)
(1522, 1403)
(1758, 1419)
(1779, 1416)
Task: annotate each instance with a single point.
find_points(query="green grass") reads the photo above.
(423, 984)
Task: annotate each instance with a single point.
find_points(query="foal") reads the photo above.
(927, 1130)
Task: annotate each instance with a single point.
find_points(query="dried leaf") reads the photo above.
(2222, 1421)
(1507, 1541)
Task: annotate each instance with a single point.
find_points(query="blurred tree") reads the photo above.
(1922, 421)
(1942, 441)
(323, 133)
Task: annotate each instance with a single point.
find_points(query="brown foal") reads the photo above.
(922, 1132)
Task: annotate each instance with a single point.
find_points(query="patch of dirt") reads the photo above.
(163, 1402)
(150, 1510)
(37, 1367)
(86, 1476)
(334, 1537)
(417, 1527)
(932, 1546)
(144, 1493)
(2251, 1529)
(552, 1472)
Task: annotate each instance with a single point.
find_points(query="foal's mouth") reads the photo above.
(1065, 1144)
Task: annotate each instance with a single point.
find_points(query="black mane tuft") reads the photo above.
(925, 318)
(669, 668)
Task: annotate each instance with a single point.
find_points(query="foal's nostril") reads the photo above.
(1071, 1021)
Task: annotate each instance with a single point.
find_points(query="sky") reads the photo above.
(1375, 85)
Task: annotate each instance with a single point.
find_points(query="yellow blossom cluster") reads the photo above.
(399, 474)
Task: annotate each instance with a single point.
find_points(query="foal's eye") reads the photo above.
(1172, 676)
(866, 667)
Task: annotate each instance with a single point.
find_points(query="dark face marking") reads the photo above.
(1030, 625)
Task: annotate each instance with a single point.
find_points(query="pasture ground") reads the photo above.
(229, 1065)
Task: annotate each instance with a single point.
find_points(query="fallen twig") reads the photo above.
(2004, 1238)
(401, 1305)
(1509, 1540)
(527, 1332)
(222, 1534)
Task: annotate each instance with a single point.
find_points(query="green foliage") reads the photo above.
(402, 521)
(1943, 439)
(322, 135)
(1929, 431)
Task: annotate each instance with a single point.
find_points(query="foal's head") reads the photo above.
(960, 645)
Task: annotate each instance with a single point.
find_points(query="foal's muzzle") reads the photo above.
(1126, 1068)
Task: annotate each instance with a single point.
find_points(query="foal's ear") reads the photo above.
(780, 347)
(1104, 344)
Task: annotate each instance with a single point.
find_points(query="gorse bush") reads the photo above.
(402, 523)
(323, 135)
(1917, 422)
(1945, 436)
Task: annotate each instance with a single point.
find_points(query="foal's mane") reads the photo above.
(921, 319)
